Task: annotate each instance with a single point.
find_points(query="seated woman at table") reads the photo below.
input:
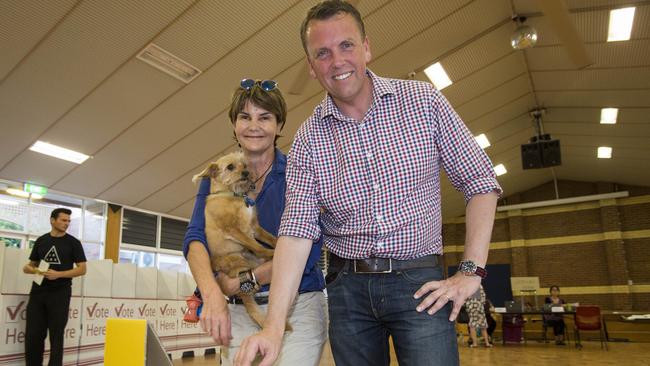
(555, 320)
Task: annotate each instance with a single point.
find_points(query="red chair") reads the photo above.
(588, 318)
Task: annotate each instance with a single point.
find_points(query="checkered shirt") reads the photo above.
(372, 188)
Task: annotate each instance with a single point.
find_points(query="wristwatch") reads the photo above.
(469, 268)
(248, 283)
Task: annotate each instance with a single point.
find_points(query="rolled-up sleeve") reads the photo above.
(196, 227)
(300, 218)
(468, 167)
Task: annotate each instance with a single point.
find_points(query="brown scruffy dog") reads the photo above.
(231, 224)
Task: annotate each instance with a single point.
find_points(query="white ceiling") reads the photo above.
(69, 76)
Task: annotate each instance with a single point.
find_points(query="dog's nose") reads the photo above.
(245, 174)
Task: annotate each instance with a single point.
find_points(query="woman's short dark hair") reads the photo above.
(554, 287)
(271, 100)
(55, 213)
(325, 10)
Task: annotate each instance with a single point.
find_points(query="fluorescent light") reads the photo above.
(500, 170)
(604, 152)
(482, 141)
(23, 194)
(438, 76)
(59, 152)
(620, 24)
(608, 116)
(17, 192)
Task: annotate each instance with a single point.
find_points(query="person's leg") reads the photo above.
(472, 334)
(304, 345)
(357, 337)
(58, 306)
(35, 330)
(419, 338)
(486, 337)
(242, 326)
(560, 331)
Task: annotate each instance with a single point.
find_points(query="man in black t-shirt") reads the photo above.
(49, 302)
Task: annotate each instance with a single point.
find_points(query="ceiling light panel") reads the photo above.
(438, 76)
(482, 140)
(500, 170)
(59, 152)
(604, 152)
(620, 24)
(608, 116)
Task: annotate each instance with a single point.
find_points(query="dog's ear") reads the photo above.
(210, 171)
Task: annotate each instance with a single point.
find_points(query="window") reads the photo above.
(13, 213)
(94, 222)
(139, 258)
(172, 233)
(139, 228)
(93, 251)
(154, 237)
(172, 263)
(9, 241)
(22, 220)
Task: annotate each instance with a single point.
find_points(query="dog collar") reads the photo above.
(249, 201)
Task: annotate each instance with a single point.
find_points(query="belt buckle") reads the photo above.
(389, 270)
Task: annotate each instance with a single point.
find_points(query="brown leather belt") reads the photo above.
(380, 265)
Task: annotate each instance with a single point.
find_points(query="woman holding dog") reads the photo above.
(257, 113)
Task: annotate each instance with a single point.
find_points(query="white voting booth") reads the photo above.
(107, 290)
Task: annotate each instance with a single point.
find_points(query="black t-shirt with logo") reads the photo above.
(61, 253)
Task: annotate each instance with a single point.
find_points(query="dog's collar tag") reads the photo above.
(249, 201)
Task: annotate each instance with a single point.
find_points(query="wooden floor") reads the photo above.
(534, 353)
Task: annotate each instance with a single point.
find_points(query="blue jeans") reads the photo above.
(365, 309)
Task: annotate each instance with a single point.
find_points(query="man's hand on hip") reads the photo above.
(215, 318)
(456, 288)
(266, 343)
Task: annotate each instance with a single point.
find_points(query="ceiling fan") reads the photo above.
(302, 78)
(558, 14)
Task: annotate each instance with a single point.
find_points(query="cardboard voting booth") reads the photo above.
(133, 342)
(107, 291)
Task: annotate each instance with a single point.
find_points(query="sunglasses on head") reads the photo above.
(266, 85)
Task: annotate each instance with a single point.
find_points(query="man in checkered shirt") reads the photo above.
(364, 171)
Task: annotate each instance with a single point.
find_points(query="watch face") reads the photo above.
(247, 287)
(468, 267)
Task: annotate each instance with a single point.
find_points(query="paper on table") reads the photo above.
(42, 268)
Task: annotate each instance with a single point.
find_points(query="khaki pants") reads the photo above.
(301, 347)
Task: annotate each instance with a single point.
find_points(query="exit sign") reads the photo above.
(33, 188)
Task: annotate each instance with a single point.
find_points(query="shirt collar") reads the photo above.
(380, 88)
(279, 163)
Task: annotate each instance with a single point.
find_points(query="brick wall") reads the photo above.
(615, 250)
